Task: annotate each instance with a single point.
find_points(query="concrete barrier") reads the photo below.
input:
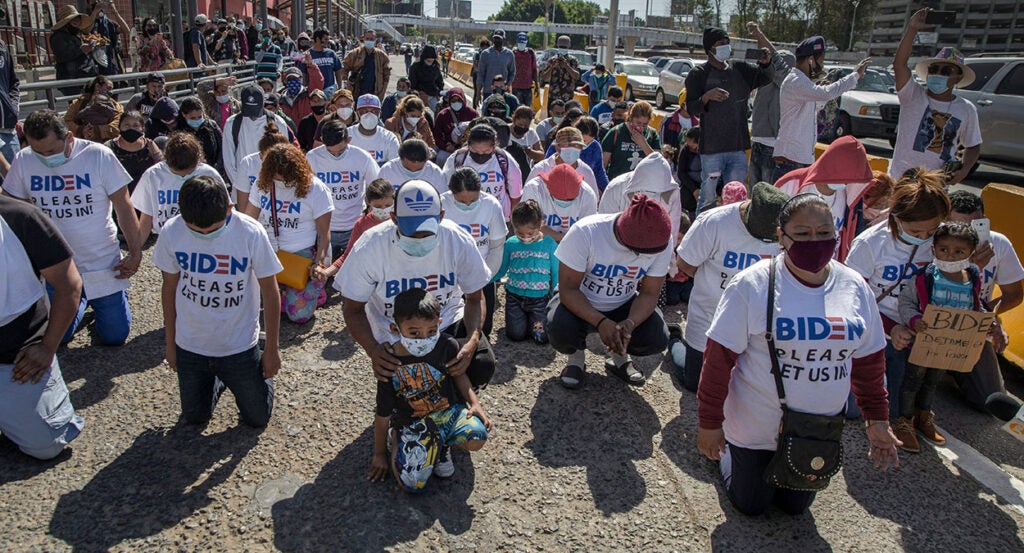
(460, 70)
(1004, 204)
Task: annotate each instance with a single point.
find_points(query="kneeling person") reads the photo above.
(429, 409)
(212, 260)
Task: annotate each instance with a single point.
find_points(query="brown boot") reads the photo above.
(904, 431)
(924, 422)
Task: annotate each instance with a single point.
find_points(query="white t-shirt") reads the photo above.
(248, 173)
(528, 139)
(491, 177)
(485, 223)
(218, 296)
(881, 258)
(799, 98)
(157, 192)
(76, 196)
(818, 333)
(296, 217)
(930, 130)
(555, 216)
(377, 270)
(611, 271)
(249, 134)
(346, 178)
(381, 145)
(20, 288)
(396, 173)
(1003, 269)
(719, 246)
(549, 163)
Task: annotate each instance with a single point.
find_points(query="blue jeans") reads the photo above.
(38, 418)
(762, 164)
(339, 241)
(202, 379)
(895, 367)
(11, 145)
(781, 168)
(689, 372)
(113, 317)
(522, 314)
(729, 166)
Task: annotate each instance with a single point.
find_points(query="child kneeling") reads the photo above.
(429, 410)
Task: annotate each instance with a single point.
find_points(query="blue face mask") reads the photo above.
(417, 247)
(463, 207)
(370, 44)
(419, 347)
(294, 87)
(563, 203)
(56, 160)
(569, 155)
(910, 239)
(212, 235)
(937, 84)
(196, 123)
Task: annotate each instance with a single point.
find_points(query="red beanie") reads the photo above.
(644, 226)
(563, 182)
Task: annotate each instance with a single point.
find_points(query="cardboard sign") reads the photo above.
(1016, 425)
(953, 340)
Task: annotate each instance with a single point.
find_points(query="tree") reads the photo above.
(703, 13)
(571, 11)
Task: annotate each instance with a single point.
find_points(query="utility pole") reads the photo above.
(613, 27)
(853, 23)
(177, 30)
(548, 16)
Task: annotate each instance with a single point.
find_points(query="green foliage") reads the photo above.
(795, 20)
(572, 11)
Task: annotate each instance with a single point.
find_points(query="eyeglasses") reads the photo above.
(943, 69)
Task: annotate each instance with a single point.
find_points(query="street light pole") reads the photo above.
(853, 23)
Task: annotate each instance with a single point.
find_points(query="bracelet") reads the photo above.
(870, 423)
(631, 321)
(598, 325)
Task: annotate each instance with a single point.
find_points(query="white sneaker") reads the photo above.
(444, 468)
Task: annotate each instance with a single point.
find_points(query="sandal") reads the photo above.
(625, 372)
(572, 377)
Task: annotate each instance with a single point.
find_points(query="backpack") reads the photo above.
(463, 153)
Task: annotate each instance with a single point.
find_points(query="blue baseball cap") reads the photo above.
(522, 37)
(417, 208)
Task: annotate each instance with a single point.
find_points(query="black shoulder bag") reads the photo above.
(810, 449)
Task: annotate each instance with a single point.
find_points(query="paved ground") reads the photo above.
(606, 468)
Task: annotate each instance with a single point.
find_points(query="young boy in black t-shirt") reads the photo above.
(429, 409)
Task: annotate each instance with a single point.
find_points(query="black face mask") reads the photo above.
(498, 42)
(151, 31)
(520, 130)
(303, 45)
(480, 159)
(318, 110)
(131, 135)
(497, 90)
(71, 29)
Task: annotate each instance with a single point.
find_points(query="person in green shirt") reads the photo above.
(629, 142)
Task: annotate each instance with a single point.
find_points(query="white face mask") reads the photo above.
(413, 121)
(952, 266)
(723, 52)
(382, 213)
(224, 99)
(837, 187)
(419, 347)
(345, 112)
(369, 121)
(531, 239)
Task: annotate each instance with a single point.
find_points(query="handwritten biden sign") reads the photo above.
(953, 340)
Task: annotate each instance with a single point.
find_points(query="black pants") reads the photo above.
(490, 303)
(568, 333)
(689, 374)
(747, 489)
(918, 390)
(525, 96)
(481, 368)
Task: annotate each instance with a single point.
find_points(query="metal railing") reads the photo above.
(179, 83)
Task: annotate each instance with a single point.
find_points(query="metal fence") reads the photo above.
(180, 83)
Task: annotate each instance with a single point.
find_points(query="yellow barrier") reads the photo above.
(460, 70)
(1003, 205)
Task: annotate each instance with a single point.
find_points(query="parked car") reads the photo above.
(998, 93)
(641, 78)
(671, 81)
(658, 61)
(871, 110)
(585, 59)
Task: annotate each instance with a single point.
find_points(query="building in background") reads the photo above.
(981, 26)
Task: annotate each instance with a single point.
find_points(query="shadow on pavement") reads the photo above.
(772, 531)
(342, 511)
(512, 356)
(16, 466)
(162, 478)
(934, 507)
(100, 366)
(605, 427)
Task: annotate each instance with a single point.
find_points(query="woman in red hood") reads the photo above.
(447, 119)
(843, 177)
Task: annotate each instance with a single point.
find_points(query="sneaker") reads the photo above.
(444, 468)
(904, 431)
(924, 422)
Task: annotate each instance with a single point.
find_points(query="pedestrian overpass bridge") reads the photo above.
(386, 23)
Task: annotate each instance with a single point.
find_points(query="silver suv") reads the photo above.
(998, 93)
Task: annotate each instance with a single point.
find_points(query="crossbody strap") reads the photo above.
(770, 336)
(885, 293)
(273, 213)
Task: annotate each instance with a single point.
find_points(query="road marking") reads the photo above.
(981, 468)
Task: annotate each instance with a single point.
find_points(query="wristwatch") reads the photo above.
(868, 423)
